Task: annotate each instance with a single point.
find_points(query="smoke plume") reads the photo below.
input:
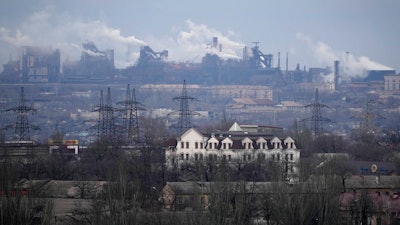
(61, 31)
(351, 66)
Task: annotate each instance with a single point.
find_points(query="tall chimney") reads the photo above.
(287, 61)
(215, 42)
(336, 74)
(279, 60)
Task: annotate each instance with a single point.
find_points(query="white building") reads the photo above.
(236, 146)
(392, 83)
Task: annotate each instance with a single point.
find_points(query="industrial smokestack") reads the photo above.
(287, 61)
(215, 42)
(336, 74)
(279, 60)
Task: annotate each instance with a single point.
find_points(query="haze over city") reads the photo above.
(314, 33)
(199, 112)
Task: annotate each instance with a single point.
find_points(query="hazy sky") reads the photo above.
(365, 33)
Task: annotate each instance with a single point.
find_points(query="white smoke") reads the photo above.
(351, 66)
(50, 28)
(194, 41)
(61, 31)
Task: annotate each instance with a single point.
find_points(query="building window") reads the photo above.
(201, 145)
(187, 144)
(187, 156)
(196, 157)
(182, 145)
(201, 157)
(215, 146)
(263, 145)
(291, 157)
(224, 145)
(229, 157)
(278, 157)
(196, 145)
(182, 156)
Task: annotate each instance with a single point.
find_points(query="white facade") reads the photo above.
(392, 83)
(195, 147)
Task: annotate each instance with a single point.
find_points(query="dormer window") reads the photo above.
(223, 145)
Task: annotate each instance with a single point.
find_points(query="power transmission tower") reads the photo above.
(316, 118)
(368, 128)
(22, 126)
(184, 113)
(130, 115)
(106, 126)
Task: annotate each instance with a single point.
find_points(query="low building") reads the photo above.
(392, 83)
(236, 146)
(371, 200)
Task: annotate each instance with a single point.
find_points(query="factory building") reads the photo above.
(36, 65)
(40, 64)
(94, 65)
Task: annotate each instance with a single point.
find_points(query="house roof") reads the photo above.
(235, 127)
(364, 167)
(193, 187)
(373, 182)
(291, 104)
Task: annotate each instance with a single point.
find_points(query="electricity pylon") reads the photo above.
(184, 112)
(106, 127)
(316, 118)
(22, 126)
(130, 116)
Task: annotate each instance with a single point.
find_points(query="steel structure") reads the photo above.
(22, 126)
(130, 116)
(369, 116)
(316, 118)
(184, 112)
(106, 127)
